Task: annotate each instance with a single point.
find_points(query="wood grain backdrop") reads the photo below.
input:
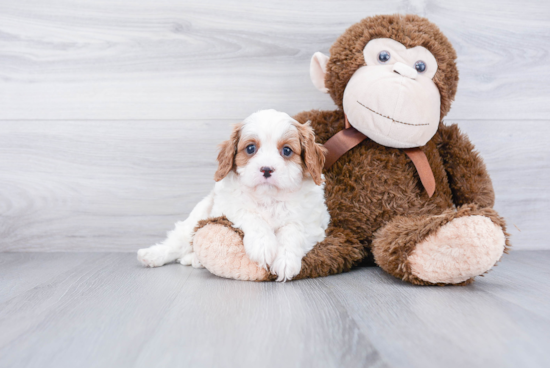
(110, 111)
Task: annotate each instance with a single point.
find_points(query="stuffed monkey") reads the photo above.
(403, 189)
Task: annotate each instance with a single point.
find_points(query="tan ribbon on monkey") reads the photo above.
(350, 137)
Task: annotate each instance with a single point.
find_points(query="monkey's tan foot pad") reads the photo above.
(220, 250)
(463, 248)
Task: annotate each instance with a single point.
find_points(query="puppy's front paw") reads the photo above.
(151, 257)
(261, 247)
(286, 266)
(191, 259)
(187, 260)
(195, 262)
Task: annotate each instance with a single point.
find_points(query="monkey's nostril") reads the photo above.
(267, 171)
(405, 70)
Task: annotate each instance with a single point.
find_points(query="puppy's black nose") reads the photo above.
(267, 171)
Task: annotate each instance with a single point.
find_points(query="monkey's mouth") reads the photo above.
(387, 117)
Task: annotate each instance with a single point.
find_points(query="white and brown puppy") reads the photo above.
(270, 185)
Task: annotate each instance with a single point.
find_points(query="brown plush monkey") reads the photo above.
(422, 214)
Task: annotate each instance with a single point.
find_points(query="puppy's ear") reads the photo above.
(228, 150)
(313, 154)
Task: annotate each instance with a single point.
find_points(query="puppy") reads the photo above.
(269, 184)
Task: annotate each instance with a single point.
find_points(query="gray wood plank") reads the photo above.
(112, 312)
(486, 324)
(103, 311)
(170, 59)
(120, 185)
(106, 314)
(240, 324)
(511, 277)
(101, 185)
(517, 156)
(20, 272)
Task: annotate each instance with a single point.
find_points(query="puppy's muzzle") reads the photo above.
(267, 171)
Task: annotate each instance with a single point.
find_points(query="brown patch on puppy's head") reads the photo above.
(228, 150)
(242, 158)
(346, 54)
(291, 139)
(312, 154)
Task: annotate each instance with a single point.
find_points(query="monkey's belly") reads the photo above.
(372, 184)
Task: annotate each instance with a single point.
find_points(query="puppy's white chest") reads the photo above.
(276, 213)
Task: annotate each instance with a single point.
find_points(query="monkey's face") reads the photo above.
(392, 99)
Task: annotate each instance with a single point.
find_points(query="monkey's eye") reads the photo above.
(420, 66)
(287, 151)
(250, 149)
(384, 56)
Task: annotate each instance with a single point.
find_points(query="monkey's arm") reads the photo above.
(467, 174)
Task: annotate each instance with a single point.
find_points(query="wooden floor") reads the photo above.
(104, 310)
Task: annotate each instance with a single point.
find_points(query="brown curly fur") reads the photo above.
(374, 195)
(372, 184)
(372, 188)
(346, 54)
(226, 156)
(394, 242)
(312, 153)
(222, 220)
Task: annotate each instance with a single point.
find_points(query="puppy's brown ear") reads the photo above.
(313, 154)
(228, 150)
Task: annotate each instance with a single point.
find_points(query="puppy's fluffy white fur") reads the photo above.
(269, 184)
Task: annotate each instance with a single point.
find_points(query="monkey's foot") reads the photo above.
(219, 248)
(463, 248)
(449, 248)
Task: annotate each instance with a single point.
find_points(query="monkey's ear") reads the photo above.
(318, 70)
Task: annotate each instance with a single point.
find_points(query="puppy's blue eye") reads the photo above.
(384, 56)
(420, 66)
(287, 151)
(250, 149)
